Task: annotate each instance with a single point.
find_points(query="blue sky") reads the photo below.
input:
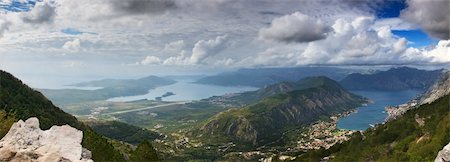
(416, 37)
(136, 37)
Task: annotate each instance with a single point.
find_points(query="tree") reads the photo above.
(144, 152)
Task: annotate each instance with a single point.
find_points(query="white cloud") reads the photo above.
(177, 60)
(295, 27)
(73, 45)
(352, 42)
(399, 46)
(440, 53)
(431, 15)
(150, 60)
(201, 51)
(204, 49)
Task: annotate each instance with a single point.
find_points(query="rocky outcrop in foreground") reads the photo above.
(26, 142)
(444, 154)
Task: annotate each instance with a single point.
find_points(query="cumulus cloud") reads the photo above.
(295, 27)
(43, 12)
(440, 53)
(149, 60)
(181, 59)
(202, 50)
(73, 45)
(143, 6)
(352, 42)
(207, 48)
(431, 15)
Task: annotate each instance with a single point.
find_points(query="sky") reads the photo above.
(92, 39)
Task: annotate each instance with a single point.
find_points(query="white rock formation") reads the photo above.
(444, 154)
(25, 141)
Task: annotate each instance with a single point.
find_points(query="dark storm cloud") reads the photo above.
(143, 6)
(432, 15)
(41, 13)
(295, 28)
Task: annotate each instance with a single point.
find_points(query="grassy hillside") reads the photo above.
(123, 132)
(18, 101)
(416, 136)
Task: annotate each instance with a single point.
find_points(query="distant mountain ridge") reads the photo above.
(394, 79)
(266, 120)
(265, 76)
(111, 88)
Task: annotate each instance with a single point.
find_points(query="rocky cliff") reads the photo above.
(25, 141)
(439, 89)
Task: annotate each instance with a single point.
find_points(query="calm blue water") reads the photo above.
(185, 90)
(374, 113)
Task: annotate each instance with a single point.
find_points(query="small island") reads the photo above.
(167, 94)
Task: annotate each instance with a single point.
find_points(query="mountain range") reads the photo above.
(260, 77)
(394, 79)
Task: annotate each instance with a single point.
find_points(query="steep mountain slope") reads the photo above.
(111, 88)
(266, 120)
(260, 77)
(438, 90)
(401, 78)
(417, 135)
(18, 101)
